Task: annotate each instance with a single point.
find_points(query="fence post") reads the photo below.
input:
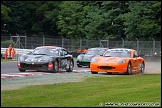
(10, 39)
(25, 40)
(80, 43)
(43, 40)
(153, 45)
(137, 44)
(107, 43)
(19, 41)
(123, 42)
(62, 41)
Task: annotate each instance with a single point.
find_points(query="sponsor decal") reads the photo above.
(85, 60)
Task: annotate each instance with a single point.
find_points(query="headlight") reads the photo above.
(47, 60)
(93, 60)
(40, 60)
(79, 57)
(122, 61)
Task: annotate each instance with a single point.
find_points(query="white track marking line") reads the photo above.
(34, 73)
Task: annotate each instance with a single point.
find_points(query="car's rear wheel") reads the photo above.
(56, 66)
(70, 66)
(22, 70)
(94, 72)
(129, 69)
(142, 67)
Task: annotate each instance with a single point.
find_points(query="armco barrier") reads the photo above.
(18, 52)
(21, 51)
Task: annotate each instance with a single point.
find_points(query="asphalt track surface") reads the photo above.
(12, 79)
(11, 68)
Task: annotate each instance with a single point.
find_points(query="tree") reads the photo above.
(69, 19)
(5, 18)
(143, 20)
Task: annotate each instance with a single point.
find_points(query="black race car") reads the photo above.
(84, 59)
(46, 58)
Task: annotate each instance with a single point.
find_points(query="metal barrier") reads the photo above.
(150, 47)
(18, 52)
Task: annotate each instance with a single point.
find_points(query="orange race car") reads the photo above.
(118, 60)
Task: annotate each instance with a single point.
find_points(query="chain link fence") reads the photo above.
(149, 48)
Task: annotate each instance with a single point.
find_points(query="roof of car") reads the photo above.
(54, 47)
(98, 48)
(122, 49)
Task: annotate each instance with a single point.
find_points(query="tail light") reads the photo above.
(18, 64)
(50, 65)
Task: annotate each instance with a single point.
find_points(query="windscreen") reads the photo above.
(95, 51)
(117, 53)
(45, 51)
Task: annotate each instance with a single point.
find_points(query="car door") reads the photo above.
(135, 60)
(63, 58)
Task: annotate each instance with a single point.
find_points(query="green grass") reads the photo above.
(75, 58)
(90, 92)
(7, 60)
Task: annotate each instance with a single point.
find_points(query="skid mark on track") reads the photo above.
(79, 71)
(25, 74)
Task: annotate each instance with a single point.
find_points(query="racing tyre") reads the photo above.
(22, 70)
(70, 66)
(94, 72)
(142, 67)
(55, 66)
(129, 69)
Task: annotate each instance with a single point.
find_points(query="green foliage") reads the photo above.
(5, 44)
(5, 18)
(5, 14)
(142, 22)
(83, 19)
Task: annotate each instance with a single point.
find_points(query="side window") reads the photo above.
(63, 52)
(135, 54)
(60, 53)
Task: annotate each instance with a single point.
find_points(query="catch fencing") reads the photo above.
(149, 48)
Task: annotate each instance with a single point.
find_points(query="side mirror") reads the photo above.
(69, 52)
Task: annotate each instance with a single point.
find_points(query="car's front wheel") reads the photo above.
(70, 66)
(129, 69)
(142, 67)
(55, 66)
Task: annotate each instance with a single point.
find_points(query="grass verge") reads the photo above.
(92, 92)
(7, 60)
